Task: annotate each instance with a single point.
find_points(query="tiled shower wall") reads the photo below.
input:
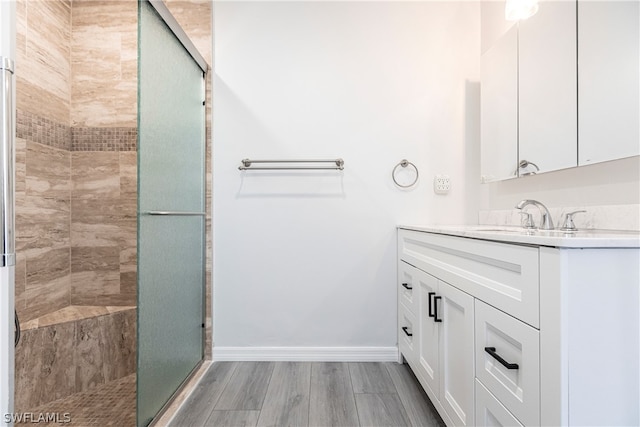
(103, 117)
(76, 151)
(75, 155)
(43, 157)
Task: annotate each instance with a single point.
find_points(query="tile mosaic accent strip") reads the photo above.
(44, 131)
(35, 128)
(104, 139)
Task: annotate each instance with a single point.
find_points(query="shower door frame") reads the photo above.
(7, 266)
(161, 9)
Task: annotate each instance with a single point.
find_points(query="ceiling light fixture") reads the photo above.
(517, 10)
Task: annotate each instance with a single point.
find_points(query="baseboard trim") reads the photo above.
(304, 354)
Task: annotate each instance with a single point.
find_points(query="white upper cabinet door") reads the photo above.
(548, 87)
(499, 108)
(608, 80)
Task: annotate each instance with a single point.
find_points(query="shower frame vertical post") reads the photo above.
(7, 264)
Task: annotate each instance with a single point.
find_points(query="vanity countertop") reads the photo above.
(587, 238)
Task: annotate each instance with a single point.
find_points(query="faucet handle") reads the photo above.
(527, 221)
(568, 221)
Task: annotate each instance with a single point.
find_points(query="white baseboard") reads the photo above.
(304, 354)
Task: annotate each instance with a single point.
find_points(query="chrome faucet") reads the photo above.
(546, 223)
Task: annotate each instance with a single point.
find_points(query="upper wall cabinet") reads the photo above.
(539, 114)
(608, 80)
(547, 87)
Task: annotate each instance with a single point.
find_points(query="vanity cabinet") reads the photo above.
(443, 346)
(504, 333)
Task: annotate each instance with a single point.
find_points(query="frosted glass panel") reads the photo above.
(170, 247)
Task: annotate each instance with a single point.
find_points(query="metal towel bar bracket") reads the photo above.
(248, 164)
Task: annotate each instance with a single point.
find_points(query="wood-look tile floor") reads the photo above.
(307, 394)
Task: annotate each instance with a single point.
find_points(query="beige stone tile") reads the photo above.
(119, 299)
(95, 259)
(95, 175)
(36, 100)
(103, 222)
(92, 287)
(128, 283)
(108, 104)
(20, 282)
(46, 63)
(47, 282)
(42, 223)
(95, 55)
(119, 344)
(81, 299)
(27, 369)
(47, 172)
(118, 308)
(109, 15)
(65, 314)
(88, 356)
(86, 311)
(57, 374)
(21, 167)
(129, 174)
(195, 18)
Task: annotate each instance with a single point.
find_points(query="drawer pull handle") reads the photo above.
(409, 334)
(492, 352)
(430, 306)
(435, 309)
(406, 286)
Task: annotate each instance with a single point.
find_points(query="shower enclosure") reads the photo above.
(171, 219)
(77, 203)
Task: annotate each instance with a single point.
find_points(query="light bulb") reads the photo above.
(517, 10)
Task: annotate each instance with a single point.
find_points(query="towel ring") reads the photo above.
(404, 163)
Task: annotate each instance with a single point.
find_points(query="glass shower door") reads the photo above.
(171, 206)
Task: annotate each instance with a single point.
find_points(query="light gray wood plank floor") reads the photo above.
(307, 394)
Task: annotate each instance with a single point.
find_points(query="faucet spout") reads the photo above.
(546, 222)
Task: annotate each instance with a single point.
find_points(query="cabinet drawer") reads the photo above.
(490, 412)
(516, 343)
(408, 287)
(407, 339)
(503, 275)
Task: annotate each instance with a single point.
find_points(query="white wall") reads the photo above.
(308, 259)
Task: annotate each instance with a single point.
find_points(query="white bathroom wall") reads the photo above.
(307, 259)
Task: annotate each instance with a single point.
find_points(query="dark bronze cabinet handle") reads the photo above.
(492, 352)
(406, 286)
(431, 294)
(409, 334)
(435, 309)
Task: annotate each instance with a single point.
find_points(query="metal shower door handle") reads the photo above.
(175, 213)
(7, 164)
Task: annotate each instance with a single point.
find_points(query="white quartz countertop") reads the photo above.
(587, 238)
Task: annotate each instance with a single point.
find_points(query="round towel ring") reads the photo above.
(404, 163)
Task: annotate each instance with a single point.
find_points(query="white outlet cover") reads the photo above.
(441, 184)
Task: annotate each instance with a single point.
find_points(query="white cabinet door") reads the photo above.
(608, 83)
(428, 354)
(455, 308)
(548, 87)
(499, 109)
